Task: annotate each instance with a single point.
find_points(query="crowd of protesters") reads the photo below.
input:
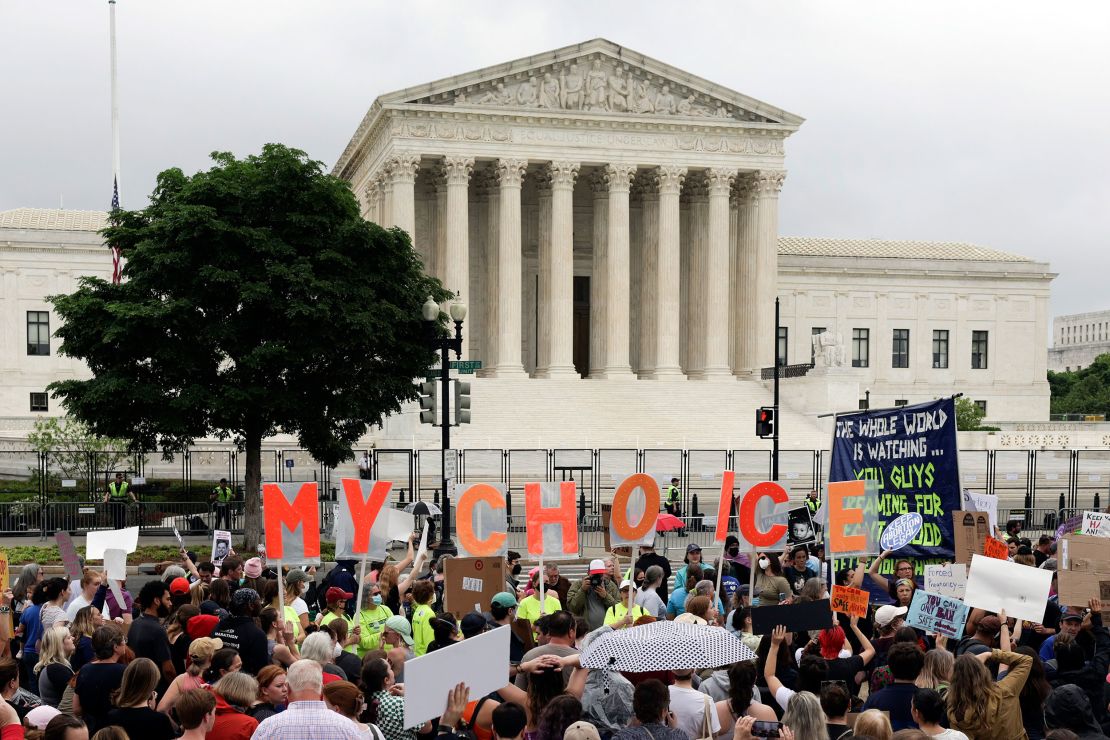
(206, 652)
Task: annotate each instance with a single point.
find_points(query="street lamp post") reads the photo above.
(444, 346)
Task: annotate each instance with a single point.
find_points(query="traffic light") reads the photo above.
(764, 422)
(462, 403)
(428, 402)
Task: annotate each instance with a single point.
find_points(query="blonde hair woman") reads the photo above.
(53, 669)
(874, 724)
(936, 674)
(201, 651)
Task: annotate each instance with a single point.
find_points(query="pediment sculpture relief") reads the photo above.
(596, 86)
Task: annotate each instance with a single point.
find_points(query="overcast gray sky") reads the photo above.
(984, 122)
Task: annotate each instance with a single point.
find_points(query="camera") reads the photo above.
(595, 581)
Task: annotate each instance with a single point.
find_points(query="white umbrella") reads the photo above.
(423, 508)
(665, 646)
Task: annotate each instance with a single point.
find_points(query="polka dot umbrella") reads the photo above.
(665, 646)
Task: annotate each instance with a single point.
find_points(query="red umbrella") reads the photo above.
(668, 522)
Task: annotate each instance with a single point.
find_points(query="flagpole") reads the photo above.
(115, 92)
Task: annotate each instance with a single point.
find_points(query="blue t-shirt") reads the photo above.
(1048, 652)
(31, 622)
(896, 699)
(676, 605)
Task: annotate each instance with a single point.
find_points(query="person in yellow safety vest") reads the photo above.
(529, 606)
(372, 621)
(222, 495)
(618, 616)
(116, 497)
(337, 600)
(671, 495)
(813, 503)
(423, 592)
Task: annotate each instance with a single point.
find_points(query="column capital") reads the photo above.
(457, 170)
(560, 175)
(719, 180)
(697, 186)
(618, 176)
(402, 167)
(645, 186)
(668, 179)
(598, 184)
(373, 192)
(768, 182)
(485, 182)
(510, 172)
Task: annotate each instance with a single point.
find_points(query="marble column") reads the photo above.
(557, 272)
(598, 277)
(437, 255)
(619, 179)
(385, 183)
(733, 272)
(491, 200)
(668, 182)
(543, 284)
(372, 202)
(697, 296)
(646, 306)
(456, 265)
(745, 277)
(715, 281)
(768, 184)
(402, 177)
(510, 172)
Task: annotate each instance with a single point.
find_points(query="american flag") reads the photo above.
(117, 267)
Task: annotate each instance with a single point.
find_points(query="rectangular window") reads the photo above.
(900, 349)
(812, 347)
(781, 345)
(940, 348)
(40, 402)
(899, 402)
(978, 350)
(982, 406)
(38, 332)
(860, 347)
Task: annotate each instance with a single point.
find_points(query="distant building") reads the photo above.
(1077, 339)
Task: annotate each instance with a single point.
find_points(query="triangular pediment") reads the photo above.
(597, 77)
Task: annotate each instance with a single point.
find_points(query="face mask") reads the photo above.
(336, 651)
(304, 588)
(763, 563)
(734, 551)
(377, 599)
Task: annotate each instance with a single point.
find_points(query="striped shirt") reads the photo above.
(307, 720)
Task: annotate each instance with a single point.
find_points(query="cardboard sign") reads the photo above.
(969, 530)
(800, 522)
(68, 551)
(1083, 552)
(755, 506)
(481, 662)
(481, 523)
(5, 575)
(360, 502)
(812, 615)
(1096, 524)
(461, 577)
(983, 502)
(123, 539)
(850, 601)
(994, 548)
(724, 505)
(635, 509)
(291, 518)
(221, 546)
(1077, 587)
(941, 615)
(850, 527)
(946, 580)
(901, 531)
(999, 584)
(551, 520)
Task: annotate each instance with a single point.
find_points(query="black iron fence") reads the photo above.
(59, 490)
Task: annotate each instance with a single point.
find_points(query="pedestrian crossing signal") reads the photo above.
(764, 422)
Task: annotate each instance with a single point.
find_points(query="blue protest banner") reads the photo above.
(940, 615)
(910, 452)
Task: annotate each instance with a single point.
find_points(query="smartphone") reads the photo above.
(782, 597)
(762, 728)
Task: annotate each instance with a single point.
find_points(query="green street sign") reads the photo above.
(466, 367)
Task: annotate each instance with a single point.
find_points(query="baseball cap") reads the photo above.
(884, 615)
(201, 625)
(40, 716)
(253, 568)
(296, 576)
(337, 594)
(1070, 616)
(504, 599)
(597, 567)
(179, 586)
(693, 547)
(401, 626)
(626, 584)
(581, 730)
(244, 596)
(473, 624)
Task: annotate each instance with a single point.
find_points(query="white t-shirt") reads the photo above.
(75, 606)
(689, 707)
(299, 606)
(950, 735)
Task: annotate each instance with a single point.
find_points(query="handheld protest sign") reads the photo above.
(1083, 552)
(360, 505)
(997, 549)
(221, 546)
(69, 555)
(757, 507)
(291, 515)
(946, 580)
(115, 563)
(635, 510)
(850, 601)
(1021, 590)
(724, 505)
(800, 522)
(99, 541)
(901, 531)
(937, 614)
(5, 574)
(469, 584)
(811, 615)
(481, 662)
(1096, 524)
(481, 522)
(851, 524)
(969, 529)
(551, 520)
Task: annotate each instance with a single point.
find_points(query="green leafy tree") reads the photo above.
(968, 415)
(1085, 391)
(70, 445)
(255, 300)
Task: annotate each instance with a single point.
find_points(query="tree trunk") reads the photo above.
(252, 497)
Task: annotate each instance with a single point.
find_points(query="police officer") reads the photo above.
(222, 495)
(116, 497)
(813, 503)
(671, 496)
